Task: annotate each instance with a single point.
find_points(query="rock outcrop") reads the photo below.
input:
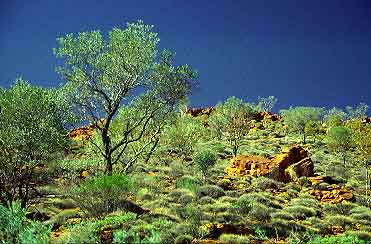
(333, 194)
(267, 117)
(195, 112)
(290, 165)
(329, 192)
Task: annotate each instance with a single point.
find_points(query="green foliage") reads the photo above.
(297, 118)
(183, 239)
(103, 74)
(231, 120)
(334, 117)
(211, 191)
(266, 103)
(183, 135)
(16, 228)
(232, 238)
(101, 194)
(32, 130)
(188, 182)
(344, 239)
(204, 160)
(339, 140)
(359, 112)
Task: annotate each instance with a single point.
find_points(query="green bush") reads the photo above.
(260, 213)
(176, 194)
(232, 238)
(123, 236)
(183, 239)
(204, 160)
(211, 191)
(188, 182)
(338, 220)
(206, 200)
(339, 208)
(16, 228)
(183, 135)
(186, 198)
(301, 212)
(101, 194)
(347, 239)
(244, 204)
(263, 183)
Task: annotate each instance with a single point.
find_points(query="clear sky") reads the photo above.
(315, 52)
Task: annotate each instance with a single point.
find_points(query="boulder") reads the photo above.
(248, 165)
(277, 168)
(304, 167)
(333, 194)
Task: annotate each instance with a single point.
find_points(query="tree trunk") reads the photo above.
(235, 150)
(151, 151)
(107, 150)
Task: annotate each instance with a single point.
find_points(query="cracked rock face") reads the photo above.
(288, 166)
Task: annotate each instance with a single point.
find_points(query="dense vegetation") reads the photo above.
(142, 168)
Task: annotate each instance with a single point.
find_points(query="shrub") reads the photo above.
(84, 232)
(339, 208)
(344, 239)
(338, 220)
(204, 160)
(206, 200)
(232, 238)
(263, 183)
(211, 191)
(186, 198)
(244, 204)
(361, 235)
(16, 228)
(183, 239)
(284, 215)
(101, 194)
(183, 135)
(188, 182)
(176, 194)
(260, 213)
(361, 214)
(301, 212)
(307, 202)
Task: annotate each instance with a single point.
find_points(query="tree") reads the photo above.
(339, 140)
(31, 132)
(182, 135)
(232, 119)
(362, 139)
(358, 112)
(297, 118)
(266, 103)
(313, 128)
(104, 75)
(204, 160)
(334, 117)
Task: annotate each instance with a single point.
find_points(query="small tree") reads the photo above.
(266, 103)
(232, 119)
(362, 139)
(313, 128)
(334, 117)
(31, 132)
(358, 112)
(103, 75)
(297, 118)
(182, 135)
(339, 140)
(205, 160)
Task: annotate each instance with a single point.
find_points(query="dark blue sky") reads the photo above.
(315, 52)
